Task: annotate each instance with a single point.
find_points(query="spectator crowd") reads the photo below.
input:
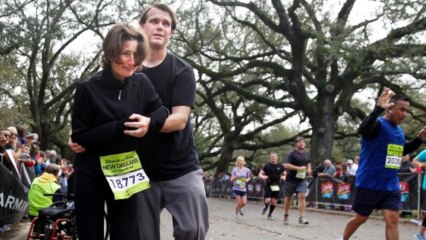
(20, 152)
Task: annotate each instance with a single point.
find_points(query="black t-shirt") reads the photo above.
(297, 159)
(166, 156)
(274, 172)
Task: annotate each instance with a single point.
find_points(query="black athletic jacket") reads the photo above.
(101, 106)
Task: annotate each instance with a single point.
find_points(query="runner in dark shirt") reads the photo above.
(272, 173)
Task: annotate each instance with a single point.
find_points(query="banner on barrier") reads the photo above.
(326, 191)
(13, 197)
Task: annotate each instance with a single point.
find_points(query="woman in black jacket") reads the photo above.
(110, 170)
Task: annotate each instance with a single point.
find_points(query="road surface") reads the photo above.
(324, 225)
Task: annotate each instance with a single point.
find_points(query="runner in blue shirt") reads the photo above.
(382, 147)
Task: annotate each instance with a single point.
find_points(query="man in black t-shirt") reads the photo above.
(170, 158)
(298, 165)
(272, 173)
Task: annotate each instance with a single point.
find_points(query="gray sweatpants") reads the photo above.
(184, 198)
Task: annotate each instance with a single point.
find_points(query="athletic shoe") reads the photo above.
(242, 211)
(303, 220)
(286, 219)
(270, 218)
(237, 217)
(264, 210)
(419, 236)
(340, 238)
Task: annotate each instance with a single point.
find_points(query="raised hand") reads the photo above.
(422, 134)
(383, 101)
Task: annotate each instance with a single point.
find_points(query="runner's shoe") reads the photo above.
(242, 211)
(270, 218)
(237, 218)
(303, 220)
(419, 236)
(264, 210)
(286, 219)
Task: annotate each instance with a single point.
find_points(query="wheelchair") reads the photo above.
(57, 222)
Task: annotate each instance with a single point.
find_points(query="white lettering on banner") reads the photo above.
(13, 203)
(9, 201)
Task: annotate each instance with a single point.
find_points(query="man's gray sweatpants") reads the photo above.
(185, 198)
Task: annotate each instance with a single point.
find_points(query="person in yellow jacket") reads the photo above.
(47, 183)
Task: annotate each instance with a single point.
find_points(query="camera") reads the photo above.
(34, 144)
(24, 156)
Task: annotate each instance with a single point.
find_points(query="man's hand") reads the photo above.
(301, 168)
(383, 101)
(141, 125)
(264, 177)
(422, 134)
(75, 147)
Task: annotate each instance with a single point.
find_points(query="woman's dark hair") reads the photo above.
(114, 42)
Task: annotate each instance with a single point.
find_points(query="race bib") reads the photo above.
(124, 174)
(301, 174)
(241, 183)
(275, 188)
(394, 156)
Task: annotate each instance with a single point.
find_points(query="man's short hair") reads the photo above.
(163, 7)
(298, 138)
(52, 169)
(397, 97)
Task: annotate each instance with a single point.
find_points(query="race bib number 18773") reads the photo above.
(124, 174)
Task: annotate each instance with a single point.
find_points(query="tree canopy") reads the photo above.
(308, 58)
(267, 70)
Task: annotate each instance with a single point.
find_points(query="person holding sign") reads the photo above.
(110, 170)
(382, 147)
(298, 165)
(240, 176)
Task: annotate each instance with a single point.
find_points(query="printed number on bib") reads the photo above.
(124, 174)
(275, 188)
(241, 183)
(394, 156)
(301, 174)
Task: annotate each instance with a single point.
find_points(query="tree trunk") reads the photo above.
(225, 158)
(323, 130)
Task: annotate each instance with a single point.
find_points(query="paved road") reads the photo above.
(253, 226)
